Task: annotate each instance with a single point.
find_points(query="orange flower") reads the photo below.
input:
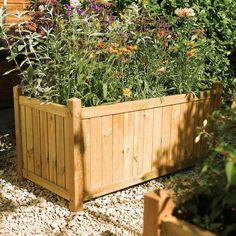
(101, 44)
(190, 53)
(190, 43)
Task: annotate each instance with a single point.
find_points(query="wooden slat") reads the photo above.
(107, 174)
(37, 144)
(175, 135)
(46, 184)
(60, 151)
(52, 148)
(138, 143)
(67, 144)
(118, 144)
(166, 132)
(157, 138)
(29, 139)
(23, 137)
(148, 142)
(86, 155)
(51, 108)
(96, 153)
(19, 158)
(44, 144)
(128, 145)
(184, 129)
(123, 107)
(192, 111)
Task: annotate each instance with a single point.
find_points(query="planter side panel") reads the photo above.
(130, 147)
(45, 145)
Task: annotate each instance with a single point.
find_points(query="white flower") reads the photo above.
(204, 123)
(75, 3)
(41, 8)
(184, 12)
(197, 139)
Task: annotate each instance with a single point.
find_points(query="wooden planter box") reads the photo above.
(81, 153)
(158, 218)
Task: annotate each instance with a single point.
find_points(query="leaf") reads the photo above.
(30, 73)
(230, 171)
(20, 47)
(104, 90)
(9, 71)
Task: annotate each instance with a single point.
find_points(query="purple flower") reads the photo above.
(69, 9)
(95, 7)
(79, 11)
(122, 35)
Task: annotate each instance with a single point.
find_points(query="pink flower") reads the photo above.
(162, 69)
(184, 12)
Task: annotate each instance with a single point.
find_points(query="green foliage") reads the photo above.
(212, 203)
(100, 57)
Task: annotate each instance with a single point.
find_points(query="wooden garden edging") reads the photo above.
(158, 218)
(80, 153)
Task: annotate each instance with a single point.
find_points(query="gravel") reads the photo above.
(27, 209)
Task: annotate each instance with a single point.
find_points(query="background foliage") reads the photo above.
(211, 204)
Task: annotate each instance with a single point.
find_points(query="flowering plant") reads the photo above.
(100, 56)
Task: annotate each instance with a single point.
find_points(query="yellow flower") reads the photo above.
(190, 43)
(127, 92)
(184, 12)
(91, 55)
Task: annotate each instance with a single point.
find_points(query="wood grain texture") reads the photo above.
(36, 142)
(106, 164)
(44, 144)
(118, 144)
(60, 151)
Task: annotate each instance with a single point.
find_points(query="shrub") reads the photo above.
(211, 205)
(101, 57)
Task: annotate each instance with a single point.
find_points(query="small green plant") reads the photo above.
(211, 205)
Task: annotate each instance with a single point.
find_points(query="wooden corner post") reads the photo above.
(19, 158)
(75, 175)
(157, 205)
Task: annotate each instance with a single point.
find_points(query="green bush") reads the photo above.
(102, 57)
(211, 205)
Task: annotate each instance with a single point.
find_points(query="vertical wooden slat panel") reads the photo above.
(157, 138)
(138, 143)
(184, 129)
(192, 111)
(195, 131)
(60, 153)
(147, 145)
(175, 133)
(52, 148)
(128, 144)
(199, 150)
(87, 157)
(29, 139)
(107, 174)
(67, 152)
(166, 131)
(36, 140)
(118, 144)
(23, 137)
(44, 144)
(96, 153)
